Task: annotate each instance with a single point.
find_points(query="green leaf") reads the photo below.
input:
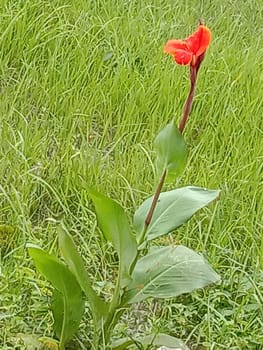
(68, 296)
(160, 339)
(165, 340)
(77, 267)
(57, 307)
(168, 272)
(114, 224)
(171, 150)
(173, 209)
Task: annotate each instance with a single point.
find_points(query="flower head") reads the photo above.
(188, 51)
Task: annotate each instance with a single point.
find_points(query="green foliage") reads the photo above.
(171, 150)
(77, 267)
(69, 118)
(57, 307)
(68, 302)
(7, 233)
(173, 209)
(152, 339)
(115, 226)
(167, 272)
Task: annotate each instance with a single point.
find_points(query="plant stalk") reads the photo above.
(153, 206)
(189, 100)
(112, 316)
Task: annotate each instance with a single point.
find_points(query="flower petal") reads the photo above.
(183, 57)
(199, 41)
(173, 45)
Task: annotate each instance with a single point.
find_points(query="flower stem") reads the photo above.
(189, 100)
(153, 206)
(155, 200)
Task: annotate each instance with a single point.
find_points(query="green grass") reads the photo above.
(84, 88)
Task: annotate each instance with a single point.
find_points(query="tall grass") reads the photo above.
(84, 88)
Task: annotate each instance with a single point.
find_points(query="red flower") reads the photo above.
(187, 51)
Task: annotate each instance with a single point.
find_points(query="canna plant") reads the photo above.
(144, 271)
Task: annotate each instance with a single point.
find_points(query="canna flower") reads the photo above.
(191, 50)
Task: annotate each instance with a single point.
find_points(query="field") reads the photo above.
(84, 89)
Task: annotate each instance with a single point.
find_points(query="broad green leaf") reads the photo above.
(68, 295)
(114, 224)
(173, 209)
(165, 340)
(57, 307)
(77, 267)
(168, 272)
(152, 339)
(171, 150)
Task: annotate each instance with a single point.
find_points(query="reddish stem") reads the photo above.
(189, 100)
(155, 200)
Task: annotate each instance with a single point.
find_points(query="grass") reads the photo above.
(84, 88)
